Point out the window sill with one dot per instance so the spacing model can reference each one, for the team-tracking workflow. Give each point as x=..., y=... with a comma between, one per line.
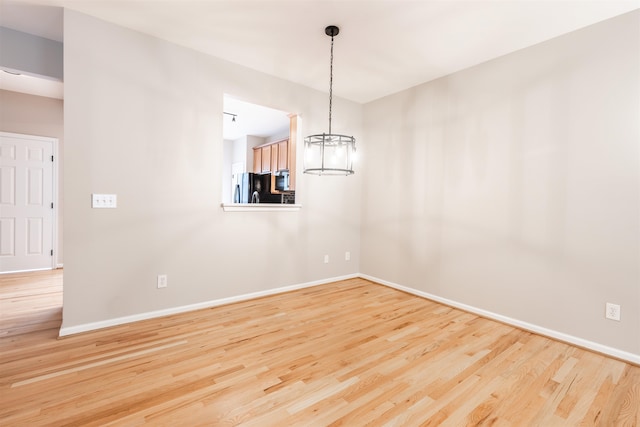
x=259, y=207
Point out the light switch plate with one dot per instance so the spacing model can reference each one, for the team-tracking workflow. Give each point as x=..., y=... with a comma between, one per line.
x=104, y=201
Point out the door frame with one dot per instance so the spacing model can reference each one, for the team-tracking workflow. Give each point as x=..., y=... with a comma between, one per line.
x=54, y=194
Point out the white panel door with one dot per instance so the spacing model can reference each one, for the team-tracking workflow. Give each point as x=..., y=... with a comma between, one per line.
x=26, y=203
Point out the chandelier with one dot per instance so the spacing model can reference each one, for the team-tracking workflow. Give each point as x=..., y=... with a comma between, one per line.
x=329, y=153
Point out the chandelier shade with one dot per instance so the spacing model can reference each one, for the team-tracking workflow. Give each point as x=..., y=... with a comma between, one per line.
x=329, y=153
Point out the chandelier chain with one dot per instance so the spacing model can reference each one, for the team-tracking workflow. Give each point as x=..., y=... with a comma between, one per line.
x=331, y=85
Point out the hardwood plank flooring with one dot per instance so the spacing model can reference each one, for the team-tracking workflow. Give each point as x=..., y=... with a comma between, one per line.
x=30, y=302
x=349, y=353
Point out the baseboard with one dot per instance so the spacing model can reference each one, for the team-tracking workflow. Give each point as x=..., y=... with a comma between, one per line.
x=550, y=333
x=33, y=270
x=590, y=345
x=86, y=327
x=59, y=265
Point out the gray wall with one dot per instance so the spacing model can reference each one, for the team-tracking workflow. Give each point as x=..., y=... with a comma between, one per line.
x=40, y=116
x=514, y=186
x=143, y=119
x=30, y=54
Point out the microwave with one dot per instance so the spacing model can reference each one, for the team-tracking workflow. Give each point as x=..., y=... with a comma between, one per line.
x=281, y=180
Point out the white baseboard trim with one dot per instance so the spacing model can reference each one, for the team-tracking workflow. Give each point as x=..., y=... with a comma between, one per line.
x=86, y=327
x=33, y=270
x=610, y=351
x=59, y=265
x=590, y=345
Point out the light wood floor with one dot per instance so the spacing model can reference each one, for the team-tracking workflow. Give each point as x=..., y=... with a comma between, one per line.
x=350, y=353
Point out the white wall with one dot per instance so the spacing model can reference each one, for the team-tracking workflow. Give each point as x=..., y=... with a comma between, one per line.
x=514, y=186
x=279, y=137
x=239, y=147
x=227, y=161
x=143, y=119
x=40, y=116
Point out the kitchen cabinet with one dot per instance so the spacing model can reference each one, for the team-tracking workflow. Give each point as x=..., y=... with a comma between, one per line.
x=283, y=155
x=266, y=159
x=257, y=160
x=271, y=157
x=274, y=157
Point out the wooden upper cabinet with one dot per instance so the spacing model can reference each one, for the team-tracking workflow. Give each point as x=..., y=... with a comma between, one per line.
x=271, y=157
x=266, y=158
x=283, y=155
x=257, y=160
x=274, y=157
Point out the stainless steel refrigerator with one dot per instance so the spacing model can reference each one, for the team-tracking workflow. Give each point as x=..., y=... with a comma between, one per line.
x=250, y=187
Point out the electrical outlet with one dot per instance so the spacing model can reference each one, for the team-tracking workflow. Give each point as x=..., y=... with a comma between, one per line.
x=326, y=259
x=347, y=256
x=613, y=311
x=162, y=281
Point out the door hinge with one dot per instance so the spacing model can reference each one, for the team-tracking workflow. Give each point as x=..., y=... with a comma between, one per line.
x=51, y=205
x=51, y=252
x=52, y=158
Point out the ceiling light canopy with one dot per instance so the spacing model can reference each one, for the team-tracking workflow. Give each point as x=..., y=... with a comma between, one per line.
x=329, y=153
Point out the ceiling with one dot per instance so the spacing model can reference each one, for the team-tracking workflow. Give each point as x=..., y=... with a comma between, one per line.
x=383, y=47
x=31, y=84
x=252, y=119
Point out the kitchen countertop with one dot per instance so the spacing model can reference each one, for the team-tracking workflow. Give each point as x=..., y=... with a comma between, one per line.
x=260, y=207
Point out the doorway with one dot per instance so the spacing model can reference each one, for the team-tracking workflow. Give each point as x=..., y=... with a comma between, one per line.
x=28, y=188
